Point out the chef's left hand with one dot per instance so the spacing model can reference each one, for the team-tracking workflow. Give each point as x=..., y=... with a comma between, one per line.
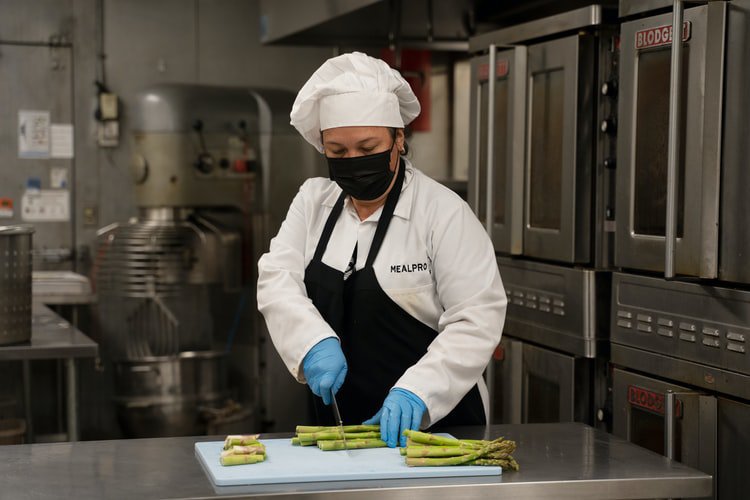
x=401, y=410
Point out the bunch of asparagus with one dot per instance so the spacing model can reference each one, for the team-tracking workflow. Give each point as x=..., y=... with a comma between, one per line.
x=240, y=450
x=331, y=439
x=425, y=450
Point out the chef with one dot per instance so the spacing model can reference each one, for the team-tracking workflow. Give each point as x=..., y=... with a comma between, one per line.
x=381, y=285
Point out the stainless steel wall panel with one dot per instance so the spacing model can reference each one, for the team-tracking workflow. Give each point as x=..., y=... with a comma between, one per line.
x=47, y=20
x=39, y=78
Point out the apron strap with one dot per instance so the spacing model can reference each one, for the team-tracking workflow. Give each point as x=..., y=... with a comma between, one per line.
x=328, y=228
x=386, y=215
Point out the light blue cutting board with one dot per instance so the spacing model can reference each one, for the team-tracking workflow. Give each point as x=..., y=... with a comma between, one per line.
x=301, y=464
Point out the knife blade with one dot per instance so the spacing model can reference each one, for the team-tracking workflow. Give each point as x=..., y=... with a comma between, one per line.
x=337, y=417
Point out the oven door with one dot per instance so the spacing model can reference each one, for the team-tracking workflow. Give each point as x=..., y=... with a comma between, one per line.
x=532, y=384
x=733, y=480
x=555, y=387
x=505, y=393
x=560, y=141
x=643, y=139
x=497, y=136
x=687, y=433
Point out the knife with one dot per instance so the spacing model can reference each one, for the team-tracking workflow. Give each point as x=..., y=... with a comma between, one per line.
x=337, y=417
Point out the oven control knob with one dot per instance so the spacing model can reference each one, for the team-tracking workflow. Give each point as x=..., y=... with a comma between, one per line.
x=609, y=163
x=609, y=88
x=608, y=126
x=204, y=163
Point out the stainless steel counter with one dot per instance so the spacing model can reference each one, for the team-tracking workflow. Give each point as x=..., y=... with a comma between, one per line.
x=52, y=337
x=560, y=461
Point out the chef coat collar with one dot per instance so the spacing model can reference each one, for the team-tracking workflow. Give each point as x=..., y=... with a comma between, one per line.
x=403, y=207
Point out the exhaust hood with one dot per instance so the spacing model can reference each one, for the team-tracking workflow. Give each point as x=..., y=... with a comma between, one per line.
x=429, y=24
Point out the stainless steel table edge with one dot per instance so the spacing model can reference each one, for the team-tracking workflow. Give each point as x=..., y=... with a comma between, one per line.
x=623, y=489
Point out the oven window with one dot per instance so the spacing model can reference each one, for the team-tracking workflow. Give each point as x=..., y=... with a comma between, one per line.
x=647, y=430
x=500, y=166
x=651, y=142
x=547, y=100
x=484, y=92
x=542, y=400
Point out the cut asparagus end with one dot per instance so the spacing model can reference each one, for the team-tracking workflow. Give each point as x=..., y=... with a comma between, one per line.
x=241, y=459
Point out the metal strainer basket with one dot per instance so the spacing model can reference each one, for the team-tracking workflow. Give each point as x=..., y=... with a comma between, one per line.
x=15, y=284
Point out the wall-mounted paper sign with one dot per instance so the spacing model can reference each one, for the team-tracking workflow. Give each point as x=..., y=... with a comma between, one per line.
x=46, y=205
x=58, y=177
x=61, y=140
x=6, y=208
x=33, y=134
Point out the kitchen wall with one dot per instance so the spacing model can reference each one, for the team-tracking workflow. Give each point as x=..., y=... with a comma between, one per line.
x=131, y=44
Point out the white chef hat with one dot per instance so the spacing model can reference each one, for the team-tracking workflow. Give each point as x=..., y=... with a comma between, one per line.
x=350, y=90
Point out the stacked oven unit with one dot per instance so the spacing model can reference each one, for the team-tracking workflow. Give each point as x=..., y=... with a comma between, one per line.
x=542, y=181
x=680, y=326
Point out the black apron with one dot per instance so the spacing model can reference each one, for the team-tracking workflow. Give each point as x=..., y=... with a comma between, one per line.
x=379, y=339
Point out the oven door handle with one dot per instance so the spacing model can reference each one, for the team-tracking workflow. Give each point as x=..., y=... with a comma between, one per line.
x=670, y=421
x=673, y=145
x=707, y=423
x=492, y=75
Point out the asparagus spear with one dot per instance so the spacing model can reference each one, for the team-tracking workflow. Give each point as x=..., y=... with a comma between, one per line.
x=248, y=450
x=303, y=429
x=351, y=444
x=435, y=451
x=241, y=459
x=333, y=435
x=239, y=440
x=443, y=461
x=507, y=463
x=431, y=439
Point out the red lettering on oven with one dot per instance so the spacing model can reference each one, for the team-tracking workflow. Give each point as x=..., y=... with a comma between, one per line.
x=648, y=400
x=660, y=35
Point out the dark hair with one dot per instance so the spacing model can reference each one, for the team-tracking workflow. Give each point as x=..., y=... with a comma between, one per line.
x=406, y=144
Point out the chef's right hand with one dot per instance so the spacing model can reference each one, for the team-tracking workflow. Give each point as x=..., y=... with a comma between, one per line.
x=325, y=368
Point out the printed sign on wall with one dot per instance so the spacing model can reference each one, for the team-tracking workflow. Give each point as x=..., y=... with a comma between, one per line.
x=46, y=205
x=33, y=134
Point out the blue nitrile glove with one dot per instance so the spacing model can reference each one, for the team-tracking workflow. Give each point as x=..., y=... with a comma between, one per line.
x=325, y=368
x=401, y=410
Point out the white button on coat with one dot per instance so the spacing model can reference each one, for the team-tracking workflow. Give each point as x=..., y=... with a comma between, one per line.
x=436, y=262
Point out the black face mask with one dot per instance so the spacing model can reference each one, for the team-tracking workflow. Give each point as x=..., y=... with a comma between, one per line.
x=362, y=177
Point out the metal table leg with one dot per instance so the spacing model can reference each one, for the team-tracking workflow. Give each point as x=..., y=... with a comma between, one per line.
x=26, y=364
x=72, y=399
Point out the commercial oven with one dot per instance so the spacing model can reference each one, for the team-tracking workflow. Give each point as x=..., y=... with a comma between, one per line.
x=708, y=129
x=688, y=343
x=541, y=132
x=551, y=363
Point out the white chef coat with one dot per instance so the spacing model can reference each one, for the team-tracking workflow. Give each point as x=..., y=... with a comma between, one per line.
x=436, y=262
